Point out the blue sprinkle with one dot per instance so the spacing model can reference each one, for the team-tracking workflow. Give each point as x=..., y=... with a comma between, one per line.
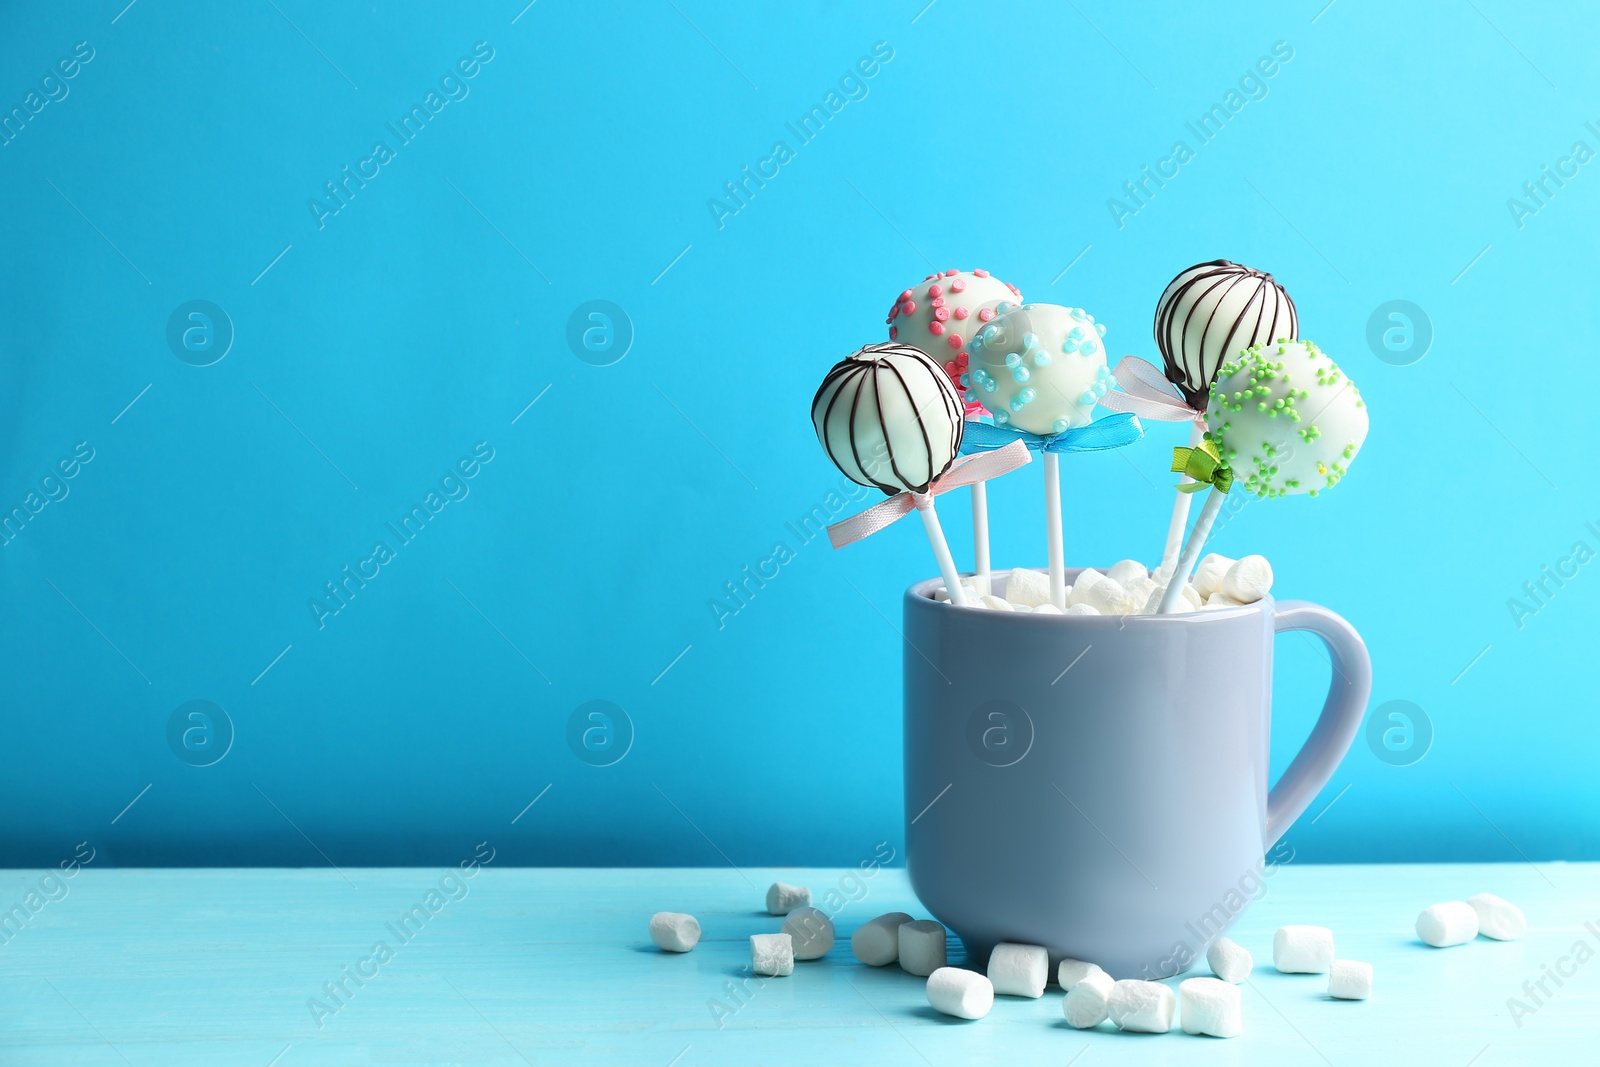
x=1026, y=396
x=1030, y=341
x=1100, y=328
x=965, y=379
x=1016, y=403
x=1111, y=380
x=989, y=385
x=1041, y=358
x=970, y=397
x=1088, y=397
x=1079, y=314
x=1069, y=345
x=1102, y=371
x=1001, y=418
x=1003, y=307
x=1060, y=426
x=1075, y=334
x=1013, y=358
x=1099, y=389
x=1088, y=348
x=1020, y=373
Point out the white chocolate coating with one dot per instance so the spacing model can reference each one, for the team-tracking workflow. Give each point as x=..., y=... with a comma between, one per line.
x=1286, y=418
x=940, y=315
x=1211, y=313
x=888, y=417
x=1039, y=367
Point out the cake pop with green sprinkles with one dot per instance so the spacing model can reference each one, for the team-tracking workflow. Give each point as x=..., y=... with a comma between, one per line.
x=1286, y=419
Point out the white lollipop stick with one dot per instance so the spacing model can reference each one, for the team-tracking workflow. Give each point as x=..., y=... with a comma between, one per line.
x=1180, y=506
x=980, y=536
x=941, y=550
x=1191, y=551
x=1052, y=525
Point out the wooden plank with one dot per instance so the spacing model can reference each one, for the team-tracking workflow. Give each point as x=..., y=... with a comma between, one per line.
x=515, y=966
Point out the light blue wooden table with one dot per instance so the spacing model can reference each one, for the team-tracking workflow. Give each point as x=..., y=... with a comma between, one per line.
x=216, y=967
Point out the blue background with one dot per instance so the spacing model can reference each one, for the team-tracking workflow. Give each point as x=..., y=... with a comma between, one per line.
x=374, y=351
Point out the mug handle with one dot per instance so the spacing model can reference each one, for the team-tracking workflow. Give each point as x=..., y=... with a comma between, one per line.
x=1341, y=716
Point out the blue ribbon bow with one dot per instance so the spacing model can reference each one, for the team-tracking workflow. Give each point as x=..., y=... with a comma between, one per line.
x=1113, y=431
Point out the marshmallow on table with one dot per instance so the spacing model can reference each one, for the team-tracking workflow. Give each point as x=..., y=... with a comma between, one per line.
x=1210, y=1007
x=673, y=931
x=1229, y=960
x=1086, y=1003
x=771, y=955
x=959, y=992
x=921, y=947
x=1140, y=588
x=782, y=898
x=1248, y=580
x=1019, y=970
x=1452, y=923
x=1349, y=980
x=1028, y=587
x=877, y=942
x=1497, y=918
x=811, y=931
x=1140, y=1007
x=1069, y=972
x=1208, y=576
x=1302, y=949
x=1127, y=569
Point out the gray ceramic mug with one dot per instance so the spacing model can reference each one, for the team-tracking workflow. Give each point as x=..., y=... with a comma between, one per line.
x=1098, y=784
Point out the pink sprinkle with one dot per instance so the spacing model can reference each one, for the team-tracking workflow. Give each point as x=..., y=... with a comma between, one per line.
x=1015, y=290
x=934, y=290
x=980, y=273
x=936, y=327
x=954, y=341
x=941, y=313
x=937, y=301
x=894, y=332
x=929, y=277
x=892, y=313
x=908, y=308
x=986, y=314
x=958, y=286
x=952, y=370
x=962, y=312
x=961, y=360
x=905, y=295
x=951, y=273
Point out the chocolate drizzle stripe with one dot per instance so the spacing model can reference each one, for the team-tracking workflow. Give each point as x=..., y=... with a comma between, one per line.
x=861, y=370
x=1186, y=364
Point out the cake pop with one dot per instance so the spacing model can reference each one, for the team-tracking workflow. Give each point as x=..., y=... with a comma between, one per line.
x=1291, y=421
x=888, y=417
x=1039, y=367
x=941, y=313
x=1212, y=312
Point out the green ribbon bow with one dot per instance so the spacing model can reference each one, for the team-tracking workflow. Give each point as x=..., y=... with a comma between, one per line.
x=1204, y=464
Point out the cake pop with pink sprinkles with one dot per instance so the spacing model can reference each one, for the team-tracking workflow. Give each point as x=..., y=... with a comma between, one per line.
x=940, y=314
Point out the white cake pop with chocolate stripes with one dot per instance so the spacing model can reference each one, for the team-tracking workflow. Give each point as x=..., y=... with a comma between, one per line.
x=888, y=417
x=1039, y=367
x=940, y=315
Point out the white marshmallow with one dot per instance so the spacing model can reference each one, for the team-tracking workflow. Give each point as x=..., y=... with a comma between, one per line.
x=1127, y=569
x=1109, y=598
x=673, y=931
x=1082, y=609
x=1152, y=603
x=1210, y=1007
x=1069, y=972
x=1208, y=576
x=1229, y=960
x=1349, y=980
x=1452, y=923
x=921, y=947
x=1302, y=949
x=1221, y=600
x=1248, y=580
x=1047, y=609
x=1019, y=970
x=1140, y=1007
x=960, y=992
x=877, y=942
x=996, y=603
x=1085, y=1005
x=1498, y=918
x=771, y=955
x=942, y=594
x=811, y=931
x=1028, y=587
x=1086, y=580
x=1140, y=588
x=782, y=898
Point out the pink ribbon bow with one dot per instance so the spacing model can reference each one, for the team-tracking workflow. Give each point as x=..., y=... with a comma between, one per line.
x=979, y=467
x=1147, y=393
